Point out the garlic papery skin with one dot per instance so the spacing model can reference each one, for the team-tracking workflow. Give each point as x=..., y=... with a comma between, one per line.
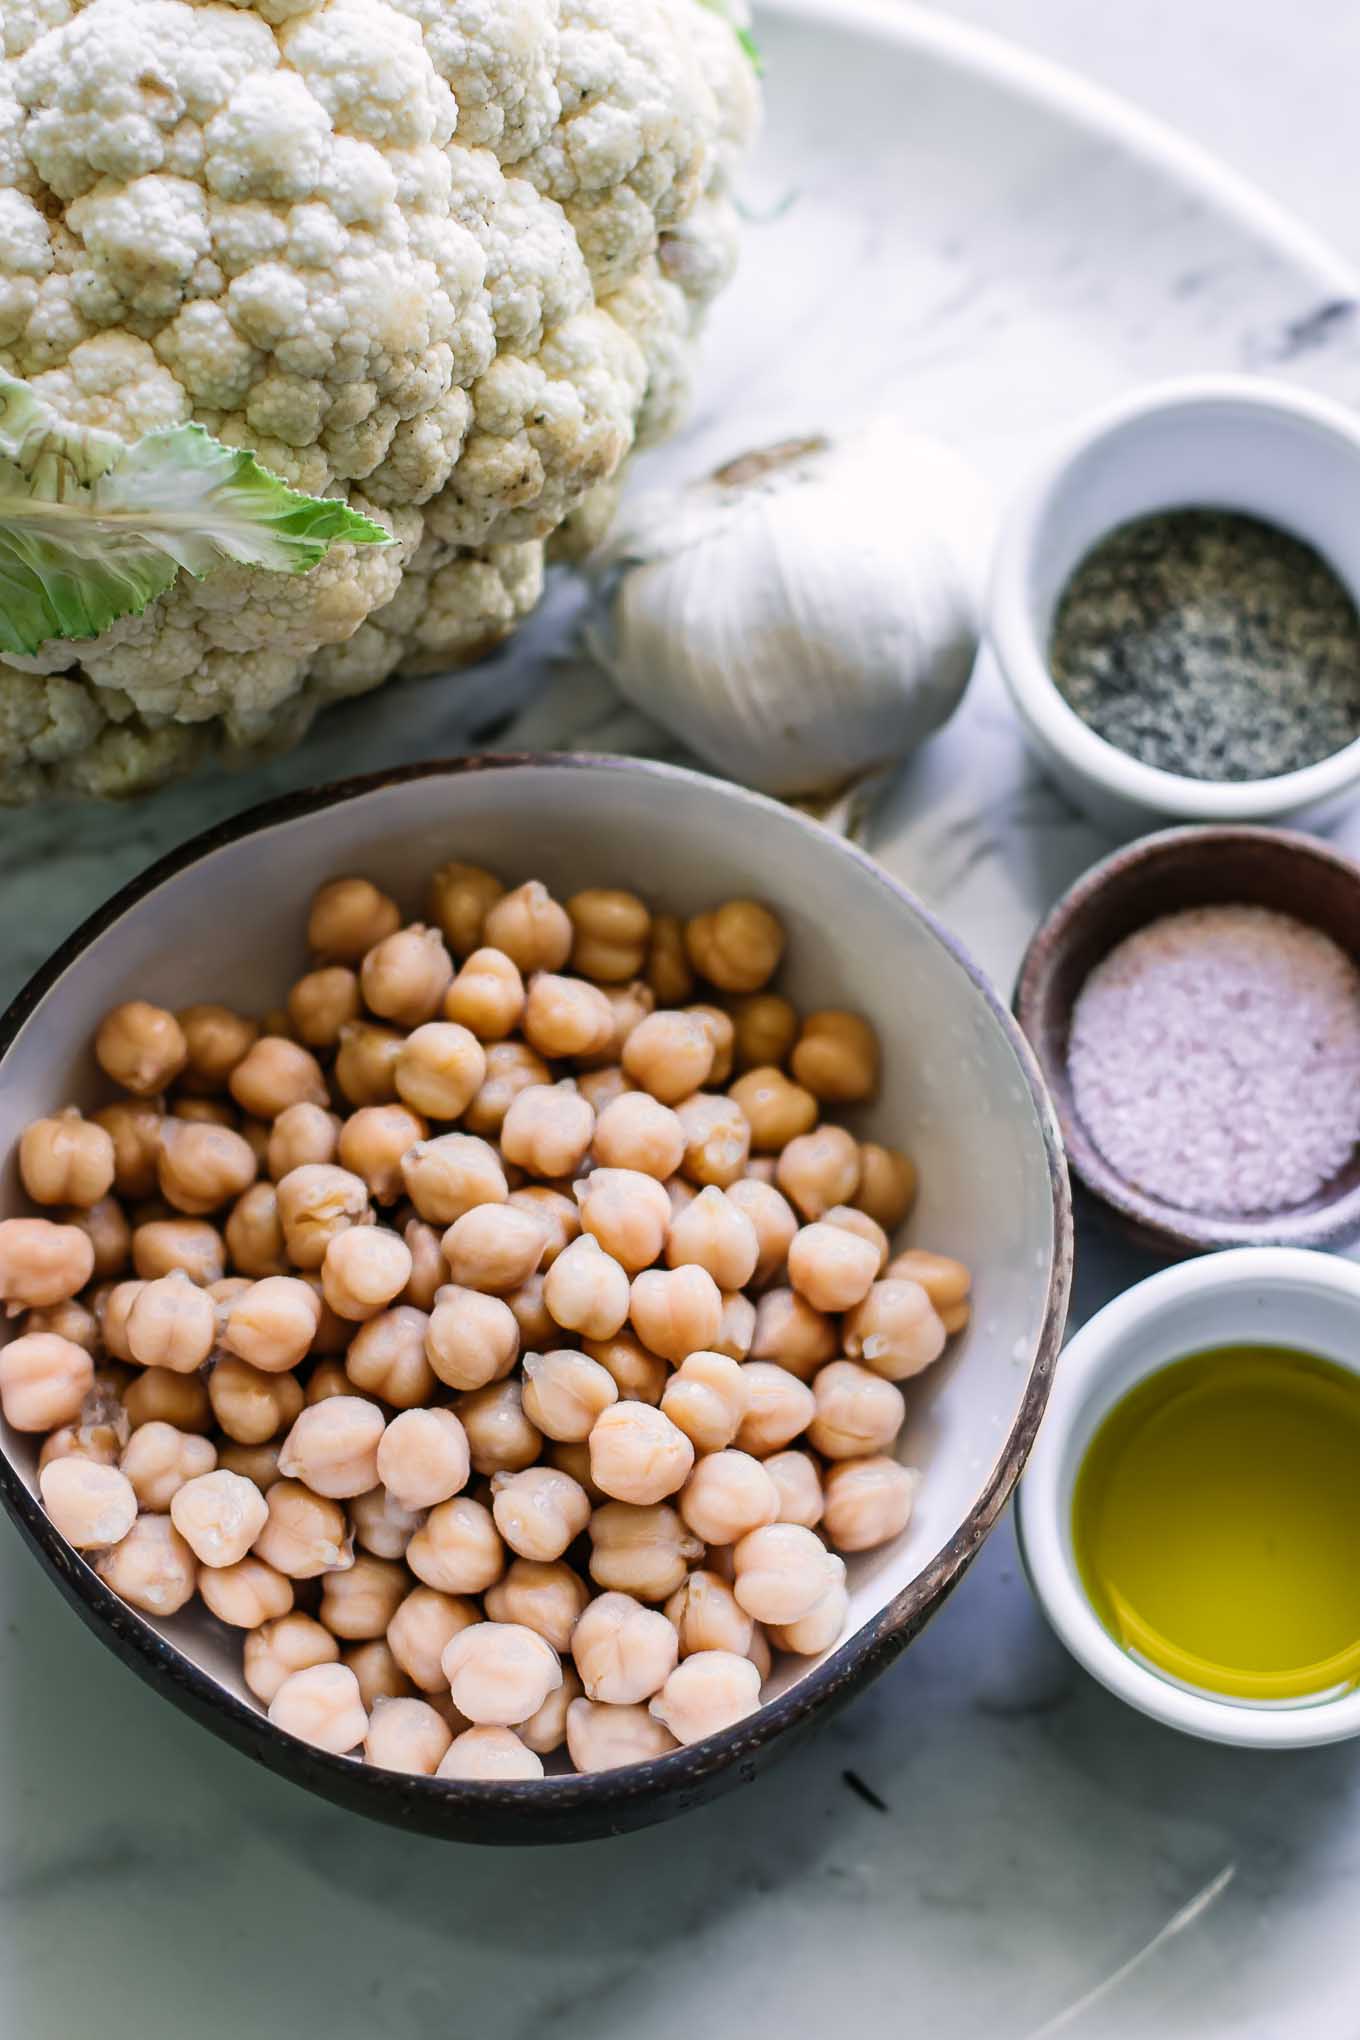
x=809, y=612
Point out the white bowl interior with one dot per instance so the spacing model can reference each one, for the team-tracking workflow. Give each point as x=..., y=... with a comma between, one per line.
x=1263, y=1296
x=230, y=927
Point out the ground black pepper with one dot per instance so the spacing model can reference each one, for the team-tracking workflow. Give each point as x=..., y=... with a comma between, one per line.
x=1210, y=644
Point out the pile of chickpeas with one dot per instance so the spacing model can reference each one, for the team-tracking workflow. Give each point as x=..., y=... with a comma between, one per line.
x=498, y=1336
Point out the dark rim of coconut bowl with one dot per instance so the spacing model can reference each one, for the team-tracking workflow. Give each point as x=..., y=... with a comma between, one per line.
x=571, y=1807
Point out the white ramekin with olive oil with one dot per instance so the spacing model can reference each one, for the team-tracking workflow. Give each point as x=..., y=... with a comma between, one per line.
x=1190, y=1515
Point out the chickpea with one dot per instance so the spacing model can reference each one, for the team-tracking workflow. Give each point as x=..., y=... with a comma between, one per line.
x=868, y=1501
x=638, y=1375
x=765, y=1028
x=717, y=1139
x=667, y=971
x=151, y=1568
x=629, y=1006
x=461, y=896
x=715, y=1235
x=333, y=1446
x=97, y=1443
x=364, y=1269
x=708, y=1616
x=158, y=1396
x=380, y=1677
x=708, y=1692
x=818, y=1629
x=347, y=917
x=406, y=1735
x=546, y=1731
x=66, y=1160
x=818, y=1170
x=670, y=1055
x=574, y=1458
x=779, y=1406
x=947, y=1283
x=273, y=1323
x=70, y=1320
x=737, y=946
x=44, y=1379
x=511, y=1067
x=500, y=1672
x=496, y=1755
x=423, y=1458
x=638, y=1455
x=165, y=1244
x=288, y=1643
x=832, y=1268
x=471, y=1340
x=458, y=1549
x=645, y=1552
x=172, y=1324
x=500, y=1436
x=317, y=1203
x=530, y=927
x=487, y=996
x=321, y=1705
x=306, y=1533
x=274, y=1074
x=623, y=1651
x=259, y=1463
x=565, y=1016
x=792, y=1334
x=204, y=1112
x=249, y=1405
x=219, y=1515
x=836, y=1058
x=539, y=1511
x=586, y=1290
x=556, y=1213
x=323, y=1002
x=381, y=1525
x=113, y=1307
x=451, y=1175
x=637, y=1133
x=722, y=1034
x=105, y=1226
x=706, y=1398
x=728, y=1494
x=366, y=1063
x=858, y=1413
x=896, y=1330
x=141, y=1047
x=531, y=1313
x=359, y=1604
x=301, y=1134
x=851, y=1219
x=92, y=1506
x=254, y=1233
x=611, y=930
x=603, y=1738
x=42, y=1263
x=133, y=1125
x=493, y=1248
x=547, y=1130
x=676, y=1311
x=547, y=1598
x=774, y=1223
x=428, y=1273
x=215, y=1040
x=776, y=1110
x=782, y=1572
x=158, y=1459
x=565, y=1392
x=386, y=1358
x=736, y=1327
x=421, y=1630
x=404, y=977
x=799, y=1481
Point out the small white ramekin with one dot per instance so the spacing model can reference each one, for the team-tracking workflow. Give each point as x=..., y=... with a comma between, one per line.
x=1282, y=1296
x=1220, y=442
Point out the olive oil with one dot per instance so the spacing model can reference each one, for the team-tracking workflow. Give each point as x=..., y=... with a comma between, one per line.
x=1216, y=1522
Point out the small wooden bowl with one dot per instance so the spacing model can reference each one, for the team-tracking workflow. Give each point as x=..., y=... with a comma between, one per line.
x=1164, y=874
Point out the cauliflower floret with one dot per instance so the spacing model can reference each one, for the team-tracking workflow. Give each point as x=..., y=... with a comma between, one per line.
x=440, y=258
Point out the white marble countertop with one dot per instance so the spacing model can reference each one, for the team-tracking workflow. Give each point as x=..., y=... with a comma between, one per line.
x=1021, y=1857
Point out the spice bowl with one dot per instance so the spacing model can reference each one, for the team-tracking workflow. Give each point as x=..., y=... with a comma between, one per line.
x=1176, y=870
x=1240, y=444
x=1262, y=1297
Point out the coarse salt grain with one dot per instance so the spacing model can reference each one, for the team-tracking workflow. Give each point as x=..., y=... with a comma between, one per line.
x=1215, y=1059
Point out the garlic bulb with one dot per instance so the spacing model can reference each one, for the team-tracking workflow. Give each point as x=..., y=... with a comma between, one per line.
x=806, y=614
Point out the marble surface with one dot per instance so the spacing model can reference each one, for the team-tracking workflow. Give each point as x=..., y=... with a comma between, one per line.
x=986, y=1843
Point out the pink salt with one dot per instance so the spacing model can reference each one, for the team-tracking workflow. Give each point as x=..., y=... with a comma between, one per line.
x=1215, y=1059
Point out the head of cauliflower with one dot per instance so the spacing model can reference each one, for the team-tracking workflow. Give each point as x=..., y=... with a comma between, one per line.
x=444, y=258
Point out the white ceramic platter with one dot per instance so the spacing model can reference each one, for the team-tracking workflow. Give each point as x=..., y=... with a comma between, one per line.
x=943, y=227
